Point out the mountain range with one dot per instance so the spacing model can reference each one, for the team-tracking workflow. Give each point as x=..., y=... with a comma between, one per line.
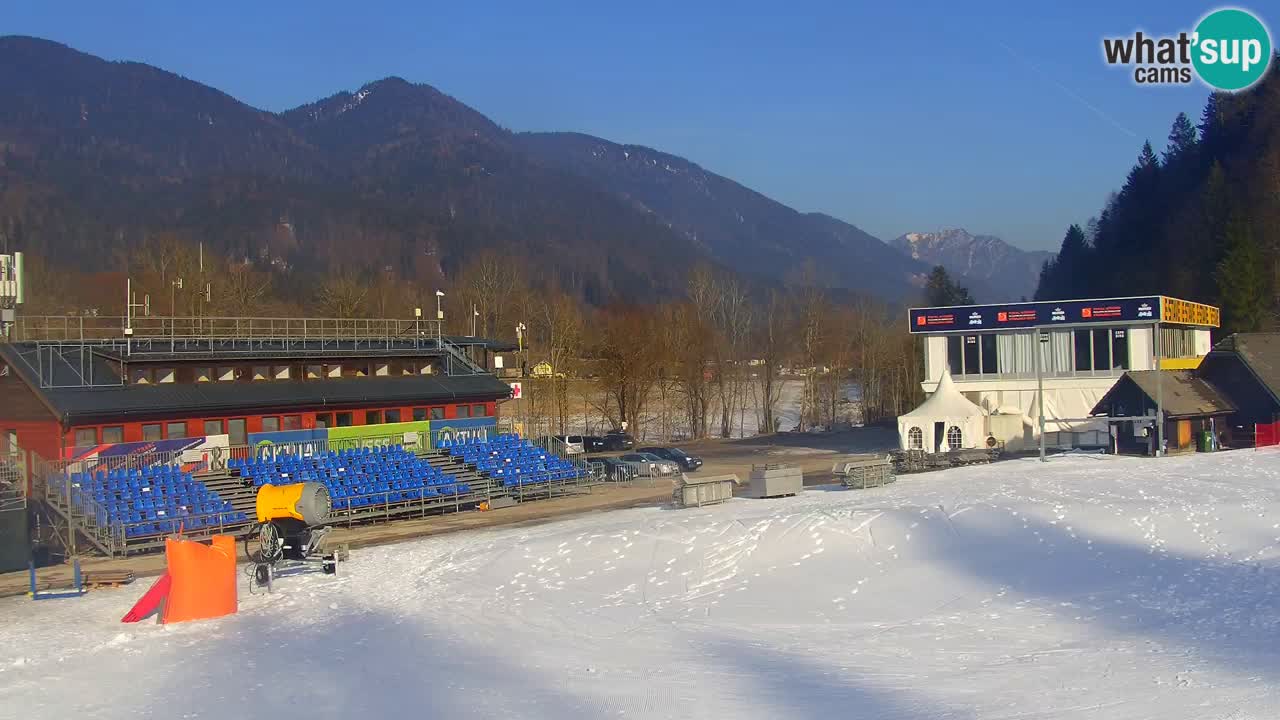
x=97, y=157
x=995, y=269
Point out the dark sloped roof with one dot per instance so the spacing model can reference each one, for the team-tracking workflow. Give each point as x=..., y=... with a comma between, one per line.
x=82, y=404
x=1260, y=352
x=1184, y=394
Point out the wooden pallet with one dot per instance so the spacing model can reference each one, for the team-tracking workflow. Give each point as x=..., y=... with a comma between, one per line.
x=107, y=579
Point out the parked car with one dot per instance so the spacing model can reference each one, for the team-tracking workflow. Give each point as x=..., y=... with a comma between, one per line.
x=650, y=465
x=573, y=444
x=593, y=443
x=618, y=440
x=687, y=462
x=612, y=469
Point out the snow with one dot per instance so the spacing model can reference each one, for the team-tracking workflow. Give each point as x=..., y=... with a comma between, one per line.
x=355, y=100
x=1092, y=586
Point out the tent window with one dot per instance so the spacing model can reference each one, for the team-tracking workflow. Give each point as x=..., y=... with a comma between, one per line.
x=915, y=439
x=954, y=439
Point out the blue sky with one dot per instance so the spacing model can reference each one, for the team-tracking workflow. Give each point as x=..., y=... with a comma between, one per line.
x=997, y=117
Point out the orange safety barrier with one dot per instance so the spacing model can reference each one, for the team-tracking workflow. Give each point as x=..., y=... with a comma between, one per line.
x=200, y=582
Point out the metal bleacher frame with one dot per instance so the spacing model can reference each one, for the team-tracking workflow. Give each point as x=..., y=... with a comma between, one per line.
x=80, y=523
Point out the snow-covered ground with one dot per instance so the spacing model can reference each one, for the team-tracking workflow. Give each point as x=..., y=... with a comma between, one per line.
x=1093, y=587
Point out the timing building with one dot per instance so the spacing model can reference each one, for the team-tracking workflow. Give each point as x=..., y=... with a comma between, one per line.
x=1011, y=361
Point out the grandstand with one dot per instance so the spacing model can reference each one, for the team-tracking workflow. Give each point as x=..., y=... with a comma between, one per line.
x=173, y=426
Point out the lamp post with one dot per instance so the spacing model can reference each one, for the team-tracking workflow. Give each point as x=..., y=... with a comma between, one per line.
x=174, y=287
x=439, y=315
x=524, y=363
x=475, y=314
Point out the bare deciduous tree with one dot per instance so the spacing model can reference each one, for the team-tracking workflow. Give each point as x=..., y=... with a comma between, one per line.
x=342, y=295
x=627, y=360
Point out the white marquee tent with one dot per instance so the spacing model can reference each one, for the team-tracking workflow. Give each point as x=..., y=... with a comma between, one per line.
x=946, y=421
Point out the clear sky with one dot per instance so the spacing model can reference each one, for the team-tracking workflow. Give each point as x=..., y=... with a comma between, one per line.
x=1000, y=118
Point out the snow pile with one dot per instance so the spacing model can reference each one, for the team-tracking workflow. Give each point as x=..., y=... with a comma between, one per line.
x=1091, y=587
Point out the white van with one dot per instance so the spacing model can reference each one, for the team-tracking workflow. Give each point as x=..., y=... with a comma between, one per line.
x=571, y=444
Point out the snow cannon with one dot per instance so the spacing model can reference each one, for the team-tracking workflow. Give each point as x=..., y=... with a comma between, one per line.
x=291, y=530
x=307, y=503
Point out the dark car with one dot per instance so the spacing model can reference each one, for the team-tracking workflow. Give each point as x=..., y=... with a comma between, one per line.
x=675, y=455
x=611, y=469
x=593, y=443
x=618, y=440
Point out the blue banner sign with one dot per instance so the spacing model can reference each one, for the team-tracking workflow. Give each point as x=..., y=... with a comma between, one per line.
x=975, y=318
x=288, y=442
x=462, y=430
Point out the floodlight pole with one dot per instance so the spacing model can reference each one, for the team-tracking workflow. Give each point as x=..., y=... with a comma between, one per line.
x=1042, y=337
x=1159, y=346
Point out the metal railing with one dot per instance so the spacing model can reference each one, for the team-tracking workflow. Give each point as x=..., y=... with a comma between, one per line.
x=13, y=480
x=74, y=328
x=68, y=344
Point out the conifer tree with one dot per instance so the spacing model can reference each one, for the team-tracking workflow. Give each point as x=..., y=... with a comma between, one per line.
x=1242, y=280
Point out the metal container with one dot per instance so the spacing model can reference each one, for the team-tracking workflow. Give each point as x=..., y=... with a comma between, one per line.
x=769, y=481
x=706, y=490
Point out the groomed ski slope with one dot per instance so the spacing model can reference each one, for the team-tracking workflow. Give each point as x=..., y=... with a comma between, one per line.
x=1091, y=587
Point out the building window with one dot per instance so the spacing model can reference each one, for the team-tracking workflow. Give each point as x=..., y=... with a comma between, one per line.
x=343, y=419
x=324, y=420
x=463, y=411
x=915, y=439
x=212, y=427
x=955, y=361
x=971, y=364
x=236, y=434
x=151, y=432
x=437, y=413
x=86, y=437
x=1119, y=350
x=291, y=422
x=419, y=414
x=477, y=411
x=1083, y=350
x=954, y=438
x=987, y=344
x=392, y=416
x=372, y=417
x=270, y=424
x=112, y=435
x=176, y=430
x=1101, y=349
x=1176, y=342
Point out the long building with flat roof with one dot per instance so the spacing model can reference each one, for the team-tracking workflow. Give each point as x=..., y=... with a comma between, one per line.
x=64, y=397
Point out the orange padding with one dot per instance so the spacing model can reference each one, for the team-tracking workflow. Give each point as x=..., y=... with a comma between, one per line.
x=203, y=579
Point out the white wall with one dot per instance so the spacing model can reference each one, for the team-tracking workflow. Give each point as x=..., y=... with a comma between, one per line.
x=1141, y=351
x=935, y=357
x=1203, y=340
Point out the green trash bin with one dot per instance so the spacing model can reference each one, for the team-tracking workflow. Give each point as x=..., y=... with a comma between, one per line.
x=1204, y=441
